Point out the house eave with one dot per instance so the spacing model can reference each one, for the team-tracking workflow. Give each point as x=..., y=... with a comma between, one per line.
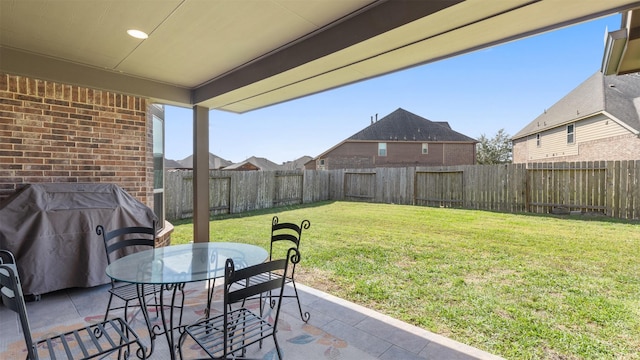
x=564, y=123
x=621, y=123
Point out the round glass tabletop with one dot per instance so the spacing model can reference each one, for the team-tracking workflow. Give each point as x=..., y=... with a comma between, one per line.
x=184, y=263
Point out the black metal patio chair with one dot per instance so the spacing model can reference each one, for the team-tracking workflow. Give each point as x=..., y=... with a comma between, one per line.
x=115, y=242
x=291, y=234
x=89, y=342
x=238, y=327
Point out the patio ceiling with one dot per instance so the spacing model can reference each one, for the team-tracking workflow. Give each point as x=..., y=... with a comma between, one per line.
x=243, y=55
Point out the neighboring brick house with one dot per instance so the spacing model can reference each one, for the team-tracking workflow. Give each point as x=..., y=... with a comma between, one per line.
x=397, y=140
x=253, y=164
x=215, y=163
x=297, y=164
x=598, y=120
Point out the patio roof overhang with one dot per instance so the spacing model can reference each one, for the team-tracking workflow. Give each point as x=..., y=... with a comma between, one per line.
x=622, y=47
x=243, y=55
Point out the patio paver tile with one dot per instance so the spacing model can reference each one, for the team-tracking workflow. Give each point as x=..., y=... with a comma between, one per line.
x=359, y=338
x=410, y=342
x=395, y=353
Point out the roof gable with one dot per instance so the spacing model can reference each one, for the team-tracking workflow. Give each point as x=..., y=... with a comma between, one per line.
x=402, y=125
x=616, y=95
x=258, y=162
x=297, y=163
x=622, y=97
x=215, y=162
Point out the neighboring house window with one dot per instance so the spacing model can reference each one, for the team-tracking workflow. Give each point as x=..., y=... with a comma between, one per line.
x=425, y=148
x=321, y=162
x=538, y=140
x=570, y=134
x=158, y=166
x=382, y=149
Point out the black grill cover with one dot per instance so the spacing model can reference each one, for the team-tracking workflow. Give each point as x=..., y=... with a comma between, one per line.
x=51, y=229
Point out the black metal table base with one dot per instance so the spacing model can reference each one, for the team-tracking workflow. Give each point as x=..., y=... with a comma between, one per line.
x=168, y=325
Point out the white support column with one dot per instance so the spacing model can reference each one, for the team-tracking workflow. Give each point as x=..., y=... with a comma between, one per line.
x=200, y=174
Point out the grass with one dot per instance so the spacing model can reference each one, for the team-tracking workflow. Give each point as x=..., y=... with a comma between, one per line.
x=520, y=286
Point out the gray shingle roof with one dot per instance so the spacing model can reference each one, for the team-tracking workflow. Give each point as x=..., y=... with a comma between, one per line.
x=616, y=95
x=215, y=162
x=297, y=163
x=261, y=163
x=172, y=164
x=402, y=125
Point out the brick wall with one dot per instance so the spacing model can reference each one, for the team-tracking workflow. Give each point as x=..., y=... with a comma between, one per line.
x=52, y=132
x=364, y=154
x=459, y=154
x=625, y=147
x=520, y=151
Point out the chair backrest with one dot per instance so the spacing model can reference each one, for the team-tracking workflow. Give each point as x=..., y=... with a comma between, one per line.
x=232, y=275
x=286, y=232
x=13, y=298
x=125, y=237
x=6, y=257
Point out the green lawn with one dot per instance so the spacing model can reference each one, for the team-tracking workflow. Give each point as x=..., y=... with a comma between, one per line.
x=520, y=286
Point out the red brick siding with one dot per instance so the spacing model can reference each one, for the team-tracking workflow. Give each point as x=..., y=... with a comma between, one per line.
x=520, y=151
x=459, y=154
x=51, y=132
x=358, y=155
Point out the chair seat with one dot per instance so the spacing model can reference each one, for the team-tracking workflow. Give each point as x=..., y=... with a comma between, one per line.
x=245, y=328
x=129, y=292
x=91, y=341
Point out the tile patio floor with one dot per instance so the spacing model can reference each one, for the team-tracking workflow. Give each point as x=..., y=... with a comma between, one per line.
x=338, y=329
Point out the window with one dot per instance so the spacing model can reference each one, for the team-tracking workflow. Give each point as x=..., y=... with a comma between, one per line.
x=158, y=165
x=382, y=149
x=570, y=134
x=322, y=162
x=538, y=140
x=425, y=148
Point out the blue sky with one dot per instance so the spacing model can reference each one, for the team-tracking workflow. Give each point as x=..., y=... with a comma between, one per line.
x=506, y=86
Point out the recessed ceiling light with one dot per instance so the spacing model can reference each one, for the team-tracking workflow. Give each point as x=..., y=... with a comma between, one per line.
x=137, y=34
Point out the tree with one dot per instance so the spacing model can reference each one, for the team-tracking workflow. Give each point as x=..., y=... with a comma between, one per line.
x=496, y=150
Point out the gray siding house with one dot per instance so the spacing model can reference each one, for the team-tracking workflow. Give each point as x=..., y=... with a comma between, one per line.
x=598, y=120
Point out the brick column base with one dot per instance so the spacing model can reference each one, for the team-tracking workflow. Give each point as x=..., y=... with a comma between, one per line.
x=163, y=238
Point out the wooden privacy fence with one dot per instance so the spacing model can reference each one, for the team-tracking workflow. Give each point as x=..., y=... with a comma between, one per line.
x=611, y=188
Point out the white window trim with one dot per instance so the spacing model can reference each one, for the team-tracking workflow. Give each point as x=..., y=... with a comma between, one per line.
x=382, y=147
x=572, y=134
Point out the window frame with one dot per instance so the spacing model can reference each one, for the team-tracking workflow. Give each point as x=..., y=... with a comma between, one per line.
x=382, y=149
x=538, y=140
x=425, y=149
x=571, y=134
x=158, y=150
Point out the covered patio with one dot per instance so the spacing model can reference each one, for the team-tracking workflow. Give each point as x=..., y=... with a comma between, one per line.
x=338, y=329
x=241, y=56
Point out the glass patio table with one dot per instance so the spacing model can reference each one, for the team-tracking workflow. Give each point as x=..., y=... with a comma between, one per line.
x=174, y=266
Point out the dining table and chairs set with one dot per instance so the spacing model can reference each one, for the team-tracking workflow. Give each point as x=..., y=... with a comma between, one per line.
x=147, y=277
